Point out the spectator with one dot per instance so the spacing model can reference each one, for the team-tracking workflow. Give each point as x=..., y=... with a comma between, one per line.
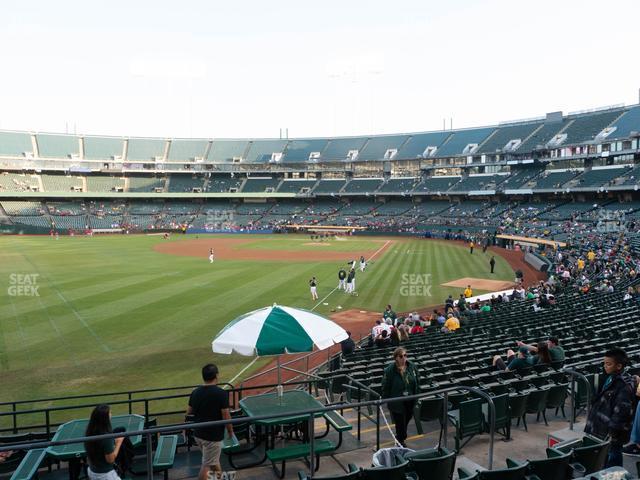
x=389, y=316
x=521, y=361
x=634, y=447
x=542, y=357
x=485, y=308
x=5, y=455
x=451, y=325
x=347, y=345
x=416, y=328
x=441, y=319
x=209, y=402
x=401, y=378
x=383, y=340
x=101, y=454
x=377, y=330
x=462, y=303
x=611, y=411
x=468, y=293
x=555, y=350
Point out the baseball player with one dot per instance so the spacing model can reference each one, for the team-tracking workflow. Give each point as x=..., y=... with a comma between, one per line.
x=211, y=255
x=351, y=281
x=342, y=275
x=363, y=263
x=313, y=284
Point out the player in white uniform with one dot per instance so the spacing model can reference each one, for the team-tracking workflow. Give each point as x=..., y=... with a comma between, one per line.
x=342, y=279
x=363, y=264
x=211, y=255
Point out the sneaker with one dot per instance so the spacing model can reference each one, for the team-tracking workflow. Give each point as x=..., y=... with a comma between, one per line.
x=632, y=449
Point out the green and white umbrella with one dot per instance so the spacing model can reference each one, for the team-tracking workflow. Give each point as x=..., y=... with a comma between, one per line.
x=276, y=330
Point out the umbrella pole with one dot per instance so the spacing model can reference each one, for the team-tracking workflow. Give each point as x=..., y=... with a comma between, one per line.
x=278, y=366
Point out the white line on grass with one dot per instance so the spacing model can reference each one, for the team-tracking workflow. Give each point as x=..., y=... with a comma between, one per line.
x=243, y=370
x=380, y=249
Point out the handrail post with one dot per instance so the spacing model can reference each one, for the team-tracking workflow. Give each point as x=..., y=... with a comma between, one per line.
x=378, y=407
x=14, y=406
x=129, y=395
x=312, y=454
x=573, y=401
x=149, y=458
x=48, y=422
x=146, y=410
x=359, y=411
x=445, y=409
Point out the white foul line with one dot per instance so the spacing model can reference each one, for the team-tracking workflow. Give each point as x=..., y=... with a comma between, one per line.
x=380, y=249
x=243, y=370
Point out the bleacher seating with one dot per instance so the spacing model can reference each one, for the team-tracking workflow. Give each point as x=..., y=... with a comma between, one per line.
x=520, y=178
x=398, y=185
x=477, y=182
x=505, y=134
x=260, y=151
x=541, y=137
x=61, y=183
x=66, y=208
x=15, y=144
x=224, y=151
x=145, y=149
x=58, y=146
x=299, y=150
x=146, y=208
x=597, y=177
x=185, y=183
x=329, y=186
x=295, y=186
x=393, y=207
x=140, y=221
x=585, y=128
x=107, y=221
x=629, y=122
x=31, y=220
x=456, y=144
x=376, y=147
x=145, y=184
x=338, y=148
x=103, y=148
x=22, y=208
x=18, y=182
x=66, y=222
x=103, y=183
x=186, y=149
x=436, y=184
x=220, y=183
x=260, y=184
x=567, y=210
x=363, y=185
x=554, y=179
x=416, y=146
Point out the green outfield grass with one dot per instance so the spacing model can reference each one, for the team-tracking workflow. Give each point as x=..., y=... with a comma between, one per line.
x=113, y=314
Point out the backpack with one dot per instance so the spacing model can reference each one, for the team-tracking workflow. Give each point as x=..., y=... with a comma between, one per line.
x=124, y=459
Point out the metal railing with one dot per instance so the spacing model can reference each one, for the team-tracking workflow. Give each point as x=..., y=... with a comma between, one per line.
x=580, y=376
x=378, y=403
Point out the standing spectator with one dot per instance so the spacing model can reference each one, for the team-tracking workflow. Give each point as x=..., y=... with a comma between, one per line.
x=389, y=315
x=468, y=293
x=101, y=454
x=611, y=411
x=207, y=403
x=401, y=378
x=347, y=345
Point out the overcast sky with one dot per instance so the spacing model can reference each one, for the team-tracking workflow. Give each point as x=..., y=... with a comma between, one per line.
x=248, y=68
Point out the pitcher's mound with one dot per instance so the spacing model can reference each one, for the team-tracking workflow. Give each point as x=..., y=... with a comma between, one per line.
x=480, y=284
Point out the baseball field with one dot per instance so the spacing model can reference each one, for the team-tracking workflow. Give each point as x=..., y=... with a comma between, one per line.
x=82, y=315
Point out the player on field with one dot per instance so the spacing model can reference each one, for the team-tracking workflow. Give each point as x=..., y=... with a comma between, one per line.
x=363, y=263
x=342, y=276
x=313, y=284
x=211, y=255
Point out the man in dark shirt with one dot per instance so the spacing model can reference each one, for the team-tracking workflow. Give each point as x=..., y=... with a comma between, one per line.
x=342, y=277
x=207, y=403
x=492, y=263
x=348, y=345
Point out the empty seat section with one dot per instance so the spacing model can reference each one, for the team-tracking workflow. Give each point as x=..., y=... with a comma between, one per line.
x=377, y=147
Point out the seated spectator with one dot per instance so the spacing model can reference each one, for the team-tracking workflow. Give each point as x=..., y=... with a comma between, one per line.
x=377, y=329
x=451, y=325
x=448, y=304
x=383, y=339
x=403, y=333
x=542, y=357
x=521, y=361
x=416, y=328
x=485, y=308
x=555, y=350
x=4, y=455
x=629, y=294
x=441, y=319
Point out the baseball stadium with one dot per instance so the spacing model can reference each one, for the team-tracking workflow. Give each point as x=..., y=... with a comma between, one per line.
x=426, y=305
